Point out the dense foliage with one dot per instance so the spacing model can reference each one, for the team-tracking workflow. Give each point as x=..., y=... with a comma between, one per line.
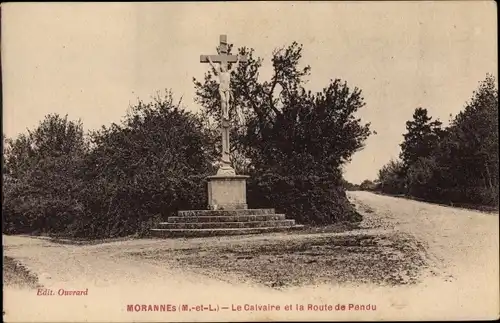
x=293, y=141
x=391, y=178
x=350, y=186
x=457, y=164
x=117, y=182
x=367, y=185
x=42, y=181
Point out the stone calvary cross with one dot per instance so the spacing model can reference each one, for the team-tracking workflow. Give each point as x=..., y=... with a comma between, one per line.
x=224, y=77
x=227, y=212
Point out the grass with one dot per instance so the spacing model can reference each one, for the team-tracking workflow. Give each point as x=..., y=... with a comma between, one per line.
x=16, y=275
x=314, y=259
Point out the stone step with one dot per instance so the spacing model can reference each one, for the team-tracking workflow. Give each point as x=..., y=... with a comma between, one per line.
x=228, y=225
x=226, y=218
x=225, y=212
x=191, y=233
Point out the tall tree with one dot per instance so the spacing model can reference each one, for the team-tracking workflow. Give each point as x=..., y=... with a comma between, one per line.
x=469, y=152
x=458, y=164
x=421, y=138
x=286, y=125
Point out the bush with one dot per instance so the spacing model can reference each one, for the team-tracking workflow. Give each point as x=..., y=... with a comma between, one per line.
x=148, y=168
x=130, y=175
x=306, y=199
x=367, y=185
x=391, y=178
x=125, y=208
x=41, y=178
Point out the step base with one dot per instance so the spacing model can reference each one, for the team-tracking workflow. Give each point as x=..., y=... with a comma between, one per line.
x=170, y=233
x=189, y=213
x=225, y=218
x=204, y=223
x=226, y=225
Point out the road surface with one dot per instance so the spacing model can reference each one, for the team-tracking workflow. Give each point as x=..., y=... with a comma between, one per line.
x=459, y=281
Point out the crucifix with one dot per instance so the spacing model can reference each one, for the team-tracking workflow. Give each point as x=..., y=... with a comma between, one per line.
x=223, y=74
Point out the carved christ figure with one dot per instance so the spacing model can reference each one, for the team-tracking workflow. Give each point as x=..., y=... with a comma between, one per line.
x=224, y=78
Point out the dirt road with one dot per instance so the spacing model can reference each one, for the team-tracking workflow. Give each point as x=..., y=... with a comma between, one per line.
x=459, y=241
x=411, y=260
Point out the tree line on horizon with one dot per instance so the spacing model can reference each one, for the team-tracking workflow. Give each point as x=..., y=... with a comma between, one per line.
x=124, y=178
x=457, y=164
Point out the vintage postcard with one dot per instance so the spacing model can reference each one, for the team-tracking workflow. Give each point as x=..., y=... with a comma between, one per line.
x=250, y=161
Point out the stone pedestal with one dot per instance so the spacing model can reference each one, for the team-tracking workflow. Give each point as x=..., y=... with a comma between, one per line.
x=227, y=192
x=228, y=214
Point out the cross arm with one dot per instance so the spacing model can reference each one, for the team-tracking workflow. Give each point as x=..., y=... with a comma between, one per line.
x=222, y=58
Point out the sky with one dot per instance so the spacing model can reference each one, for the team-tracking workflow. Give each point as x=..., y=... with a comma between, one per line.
x=91, y=61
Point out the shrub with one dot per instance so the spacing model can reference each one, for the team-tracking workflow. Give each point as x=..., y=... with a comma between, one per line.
x=307, y=199
x=119, y=183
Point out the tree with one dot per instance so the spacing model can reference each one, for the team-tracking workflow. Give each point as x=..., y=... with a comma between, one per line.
x=458, y=164
x=41, y=171
x=391, y=178
x=294, y=140
x=421, y=138
x=367, y=185
x=350, y=186
x=421, y=178
x=468, y=154
x=55, y=136
x=288, y=127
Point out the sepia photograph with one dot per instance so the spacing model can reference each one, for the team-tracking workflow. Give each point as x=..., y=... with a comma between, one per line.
x=250, y=161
